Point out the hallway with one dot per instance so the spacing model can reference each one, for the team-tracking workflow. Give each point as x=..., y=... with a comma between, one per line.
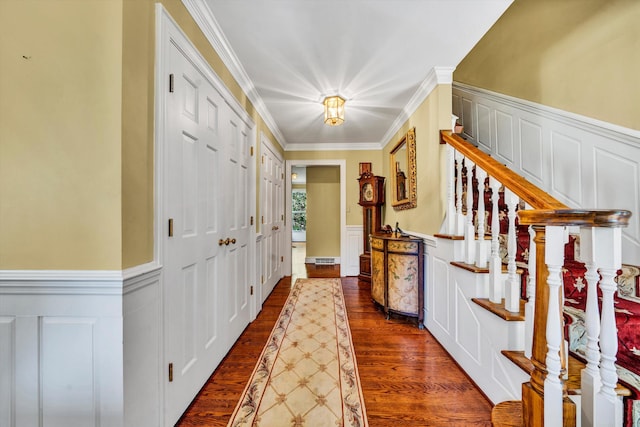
x=407, y=377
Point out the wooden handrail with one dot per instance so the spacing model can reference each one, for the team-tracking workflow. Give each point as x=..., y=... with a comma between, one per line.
x=527, y=191
x=576, y=217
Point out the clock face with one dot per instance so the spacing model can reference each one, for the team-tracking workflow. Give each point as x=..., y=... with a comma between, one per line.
x=367, y=192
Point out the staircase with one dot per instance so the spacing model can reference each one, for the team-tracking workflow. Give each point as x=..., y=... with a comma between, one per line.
x=503, y=322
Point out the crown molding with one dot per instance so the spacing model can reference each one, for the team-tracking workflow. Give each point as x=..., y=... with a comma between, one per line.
x=436, y=76
x=205, y=19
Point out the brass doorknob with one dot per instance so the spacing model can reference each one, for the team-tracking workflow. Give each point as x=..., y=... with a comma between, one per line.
x=220, y=242
x=233, y=241
x=226, y=242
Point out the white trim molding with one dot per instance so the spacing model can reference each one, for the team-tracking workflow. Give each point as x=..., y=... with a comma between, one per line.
x=342, y=163
x=61, y=282
x=436, y=76
x=203, y=16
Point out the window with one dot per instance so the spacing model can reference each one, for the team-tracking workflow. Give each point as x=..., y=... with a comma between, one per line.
x=299, y=210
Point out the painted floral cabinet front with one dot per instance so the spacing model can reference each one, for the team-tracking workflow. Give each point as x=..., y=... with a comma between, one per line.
x=397, y=275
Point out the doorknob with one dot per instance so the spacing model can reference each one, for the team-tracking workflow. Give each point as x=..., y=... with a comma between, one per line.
x=233, y=241
x=226, y=242
x=220, y=242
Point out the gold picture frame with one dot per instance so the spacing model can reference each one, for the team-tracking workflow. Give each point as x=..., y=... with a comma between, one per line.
x=403, y=172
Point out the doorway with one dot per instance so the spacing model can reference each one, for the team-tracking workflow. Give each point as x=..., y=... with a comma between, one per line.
x=341, y=233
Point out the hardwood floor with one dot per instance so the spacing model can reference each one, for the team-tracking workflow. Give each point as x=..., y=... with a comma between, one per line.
x=407, y=377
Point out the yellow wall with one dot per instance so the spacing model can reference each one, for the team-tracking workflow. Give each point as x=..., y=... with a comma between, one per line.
x=60, y=130
x=323, y=211
x=352, y=159
x=576, y=55
x=76, y=130
x=432, y=115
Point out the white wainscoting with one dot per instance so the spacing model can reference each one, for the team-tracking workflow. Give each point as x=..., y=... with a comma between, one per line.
x=582, y=162
x=143, y=365
x=351, y=265
x=61, y=361
x=81, y=348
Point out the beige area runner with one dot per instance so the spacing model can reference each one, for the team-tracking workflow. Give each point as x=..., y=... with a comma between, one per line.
x=307, y=373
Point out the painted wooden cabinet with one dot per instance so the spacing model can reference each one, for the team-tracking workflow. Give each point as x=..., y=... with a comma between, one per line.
x=397, y=275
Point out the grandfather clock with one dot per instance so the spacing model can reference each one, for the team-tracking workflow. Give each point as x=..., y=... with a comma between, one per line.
x=371, y=200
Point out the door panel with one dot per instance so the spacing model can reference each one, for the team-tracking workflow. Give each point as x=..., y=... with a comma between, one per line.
x=237, y=166
x=272, y=208
x=195, y=265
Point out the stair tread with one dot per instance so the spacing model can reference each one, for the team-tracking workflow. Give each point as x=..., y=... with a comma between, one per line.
x=482, y=270
x=575, y=367
x=507, y=414
x=499, y=310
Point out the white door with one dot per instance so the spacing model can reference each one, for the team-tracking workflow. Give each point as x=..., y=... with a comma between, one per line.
x=235, y=204
x=272, y=208
x=205, y=300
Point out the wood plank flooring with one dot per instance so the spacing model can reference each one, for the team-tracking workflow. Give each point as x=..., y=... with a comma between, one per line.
x=407, y=377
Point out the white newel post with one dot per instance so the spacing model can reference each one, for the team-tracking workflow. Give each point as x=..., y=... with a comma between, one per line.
x=608, y=251
x=481, y=251
x=554, y=258
x=470, y=231
x=512, y=287
x=459, y=216
x=451, y=178
x=590, y=376
x=495, y=266
x=530, y=306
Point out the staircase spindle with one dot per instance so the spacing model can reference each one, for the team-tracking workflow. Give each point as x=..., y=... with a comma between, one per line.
x=512, y=287
x=451, y=179
x=553, y=393
x=530, y=306
x=470, y=231
x=496, y=285
x=481, y=250
x=608, y=258
x=590, y=376
x=459, y=215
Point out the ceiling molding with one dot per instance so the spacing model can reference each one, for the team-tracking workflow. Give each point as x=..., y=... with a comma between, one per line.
x=436, y=76
x=333, y=147
x=204, y=18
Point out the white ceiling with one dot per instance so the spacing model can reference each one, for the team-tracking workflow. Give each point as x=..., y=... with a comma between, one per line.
x=383, y=56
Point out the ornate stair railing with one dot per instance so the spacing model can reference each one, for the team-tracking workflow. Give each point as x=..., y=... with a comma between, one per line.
x=545, y=400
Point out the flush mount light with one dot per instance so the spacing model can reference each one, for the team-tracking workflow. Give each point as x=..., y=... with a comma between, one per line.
x=333, y=110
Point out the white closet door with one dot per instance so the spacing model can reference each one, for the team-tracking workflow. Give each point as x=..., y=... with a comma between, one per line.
x=194, y=263
x=236, y=211
x=272, y=209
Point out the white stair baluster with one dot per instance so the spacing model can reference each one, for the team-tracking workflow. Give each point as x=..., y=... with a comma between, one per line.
x=470, y=231
x=451, y=177
x=459, y=216
x=496, y=285
x=481, y=245
x=512, y=286
x=608, y=408
x=554, y=258
x=590, y=376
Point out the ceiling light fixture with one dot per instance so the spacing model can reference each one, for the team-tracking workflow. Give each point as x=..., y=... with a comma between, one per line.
x=294, y=176
x=333, y=110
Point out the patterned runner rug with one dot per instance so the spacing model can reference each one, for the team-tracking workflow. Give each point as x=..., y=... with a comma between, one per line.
x=307, y=373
